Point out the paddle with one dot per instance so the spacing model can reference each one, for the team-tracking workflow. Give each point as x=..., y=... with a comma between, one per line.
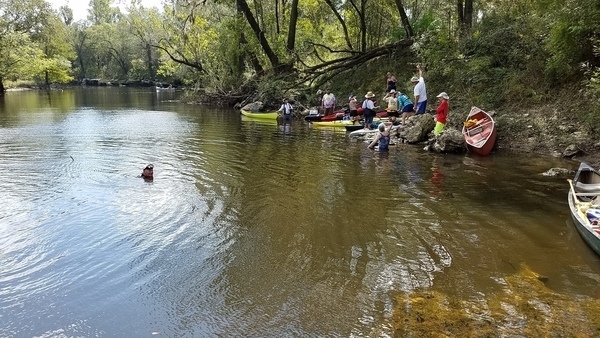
x=572, y=189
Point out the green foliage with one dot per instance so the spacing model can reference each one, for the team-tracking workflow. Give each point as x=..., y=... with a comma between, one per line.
x=574, y=28
x=18, y=56
x=495, y=65
x=424, y=23
x=270, y=92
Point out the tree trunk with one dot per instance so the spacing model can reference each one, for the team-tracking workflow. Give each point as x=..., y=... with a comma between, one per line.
x=465, y=15
x=363, y=26
x=2, y=89
x=469, y=13
x=404, y=19
x=342, y=22
x=149, y=59
x=253, y=59
x=260, y=35
x=81, y=64
x=363, y=23
x=291, y=42
x=277, y=16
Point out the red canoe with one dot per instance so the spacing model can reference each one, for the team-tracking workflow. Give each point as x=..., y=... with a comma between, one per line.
x=337, y=115
x=481, y=135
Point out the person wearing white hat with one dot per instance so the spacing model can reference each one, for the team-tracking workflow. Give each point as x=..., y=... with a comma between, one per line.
x=441, y=113
x=392, y=102
x=420, y=92
x=369, y=109
x=383, y=137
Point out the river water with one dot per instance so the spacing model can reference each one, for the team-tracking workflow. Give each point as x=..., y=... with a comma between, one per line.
x=251, y=228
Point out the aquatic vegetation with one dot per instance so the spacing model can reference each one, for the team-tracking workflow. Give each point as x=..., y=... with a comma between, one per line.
x=524, y=307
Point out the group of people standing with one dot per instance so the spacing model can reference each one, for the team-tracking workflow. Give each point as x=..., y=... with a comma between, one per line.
x=397, y=103
x=400, y=103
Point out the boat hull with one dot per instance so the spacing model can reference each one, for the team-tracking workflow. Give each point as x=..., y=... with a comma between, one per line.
x=581, y=224
x=586, y=186
x=312, y=118
x=335, y=124
x=481, y=137
x=333, y=117
x=267, y=116
x=353, y=127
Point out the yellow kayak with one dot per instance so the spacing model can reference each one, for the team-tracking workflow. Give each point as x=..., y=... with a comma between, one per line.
x=268, y=116
x=336, y=123
x=250, y=120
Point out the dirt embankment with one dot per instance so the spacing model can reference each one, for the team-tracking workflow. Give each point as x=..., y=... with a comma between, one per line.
x=547, y=130
x=544, y=130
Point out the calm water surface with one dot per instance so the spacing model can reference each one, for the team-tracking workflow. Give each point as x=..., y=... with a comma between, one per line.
x=252, y=228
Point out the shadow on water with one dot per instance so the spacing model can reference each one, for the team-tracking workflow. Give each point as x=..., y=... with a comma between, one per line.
x=269, y=228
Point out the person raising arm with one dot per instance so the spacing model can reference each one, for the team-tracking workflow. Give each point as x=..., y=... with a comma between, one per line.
x=420, y=92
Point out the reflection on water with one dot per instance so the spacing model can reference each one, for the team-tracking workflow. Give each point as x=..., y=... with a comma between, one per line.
x=252, y=227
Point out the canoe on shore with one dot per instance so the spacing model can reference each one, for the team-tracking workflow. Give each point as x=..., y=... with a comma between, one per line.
x=584, y=203
x=269, y=116
x=479, y=131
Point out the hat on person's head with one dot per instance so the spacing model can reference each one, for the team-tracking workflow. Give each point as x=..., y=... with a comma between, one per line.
x=443, y=95
x=149, y=167
x=369, y=95
x=414, y=79
x=392, y=91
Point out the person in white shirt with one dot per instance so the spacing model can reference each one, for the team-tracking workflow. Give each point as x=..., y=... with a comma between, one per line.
x=368, y=109
x=420, y=92
x=328, y=102
x=286, y=108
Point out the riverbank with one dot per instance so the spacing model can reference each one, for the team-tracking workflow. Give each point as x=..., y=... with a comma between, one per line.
x=549, y=131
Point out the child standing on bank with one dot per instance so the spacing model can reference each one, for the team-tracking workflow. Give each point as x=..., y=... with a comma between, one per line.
x=441, y=113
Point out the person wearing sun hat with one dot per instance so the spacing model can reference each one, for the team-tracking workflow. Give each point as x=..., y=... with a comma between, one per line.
x=369, y=109
x=420, y=92
x=392, y=108
x=441, y=113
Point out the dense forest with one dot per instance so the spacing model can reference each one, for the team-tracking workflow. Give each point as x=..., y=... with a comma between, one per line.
x=496, y=53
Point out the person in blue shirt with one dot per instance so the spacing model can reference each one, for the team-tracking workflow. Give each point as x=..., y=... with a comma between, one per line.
x=405, y=106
